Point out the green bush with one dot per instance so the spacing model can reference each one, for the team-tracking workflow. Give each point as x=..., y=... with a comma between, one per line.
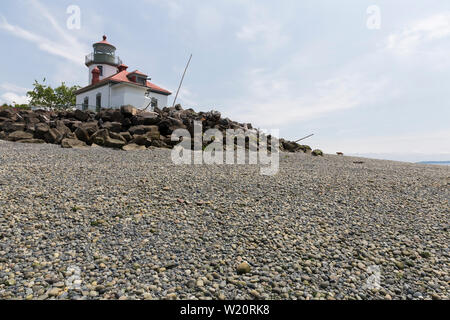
x=62, y=97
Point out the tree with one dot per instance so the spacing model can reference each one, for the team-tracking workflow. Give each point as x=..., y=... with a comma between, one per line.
x=62, y=97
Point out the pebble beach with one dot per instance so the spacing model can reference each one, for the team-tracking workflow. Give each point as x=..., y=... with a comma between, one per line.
x=99, y=223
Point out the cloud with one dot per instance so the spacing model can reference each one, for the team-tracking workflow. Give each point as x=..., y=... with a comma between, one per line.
x=14, y=94
x=14, y=98
x=13, y=88
x=259, y=31
x=174, y=7
x=430, y=142
x=211, y=17
x=263, y=31
x=187, y=98
x=273, y=100
x=279, y=97
x=43, y=43
x=420, y=34
x=66, y=46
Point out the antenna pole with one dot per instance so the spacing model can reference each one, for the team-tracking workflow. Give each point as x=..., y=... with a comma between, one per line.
x=181, y=82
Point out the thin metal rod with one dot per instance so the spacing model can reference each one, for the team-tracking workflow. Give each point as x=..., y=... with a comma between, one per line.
x=304, y=138
x=181, y=82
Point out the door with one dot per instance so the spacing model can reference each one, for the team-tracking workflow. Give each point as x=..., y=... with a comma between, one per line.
x=98, y=103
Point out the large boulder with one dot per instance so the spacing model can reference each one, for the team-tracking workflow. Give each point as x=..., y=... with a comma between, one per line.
x=30, y=127
x=142, y=129
x=145, y=118
x=141, y=140
x=44, y=118
x=126, y=135
x=62, y=128
x=91, y=127
x=114, y=143
x=153, y=134
x=168, y=141
x=81, y=115
x=133, y=147
x=53, y=136
x=290, y=146
x=73, y=124
x=19, y=135
x=72, y=143
x=159, y=144
x=317, y=153
x=9, y=126
x=41, y=129
x=126, y=123
x=82, y=134
x=117, y=136
x=31, y=119
x=110, y=115
x=128, y=110
x=113, y=126
x=100, y=137
x=169, y=125
x=8, y=113
x=213, y=116
x=33, y=141
x=150, y=118
x=305, y=148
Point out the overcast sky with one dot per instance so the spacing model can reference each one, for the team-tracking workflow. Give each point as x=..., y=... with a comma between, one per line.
x=300, y=66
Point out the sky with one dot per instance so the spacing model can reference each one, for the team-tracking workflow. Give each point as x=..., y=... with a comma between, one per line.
x=368, y=78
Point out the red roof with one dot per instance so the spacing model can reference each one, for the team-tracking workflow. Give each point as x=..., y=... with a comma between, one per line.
x=122, y=77
x=104, y=42
x=154, y=87
x=138, y=73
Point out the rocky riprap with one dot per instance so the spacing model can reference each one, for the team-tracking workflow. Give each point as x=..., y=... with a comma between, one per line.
x=105, y=224
x=126, y=128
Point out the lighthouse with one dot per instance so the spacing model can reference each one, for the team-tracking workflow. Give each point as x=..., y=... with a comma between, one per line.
x=104, y=58
x=111, y=85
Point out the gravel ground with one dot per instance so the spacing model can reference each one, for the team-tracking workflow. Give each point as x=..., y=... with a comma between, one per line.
x=106, y=224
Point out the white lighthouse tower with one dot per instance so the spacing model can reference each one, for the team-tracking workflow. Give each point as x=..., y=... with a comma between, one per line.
x=104, y=58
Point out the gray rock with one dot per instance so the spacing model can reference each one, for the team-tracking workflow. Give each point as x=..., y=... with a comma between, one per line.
x=72, y=143
x=19, y=135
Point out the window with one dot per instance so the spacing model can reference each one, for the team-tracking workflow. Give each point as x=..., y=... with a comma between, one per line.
x=101, y=70
x=86, y=103
x=142, y=81
x=98, y=102
x=154, y=103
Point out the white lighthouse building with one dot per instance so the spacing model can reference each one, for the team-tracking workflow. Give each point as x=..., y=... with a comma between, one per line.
x=111, y=85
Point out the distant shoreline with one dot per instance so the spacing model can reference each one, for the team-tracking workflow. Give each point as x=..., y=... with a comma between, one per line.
x=416, y=158
x=435, y=162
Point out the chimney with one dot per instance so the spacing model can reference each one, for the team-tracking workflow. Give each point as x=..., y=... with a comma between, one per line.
x=122, y=67
x=95, y=75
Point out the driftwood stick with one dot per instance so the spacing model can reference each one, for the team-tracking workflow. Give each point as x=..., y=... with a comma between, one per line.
x=304, y=138
x=181, y=82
